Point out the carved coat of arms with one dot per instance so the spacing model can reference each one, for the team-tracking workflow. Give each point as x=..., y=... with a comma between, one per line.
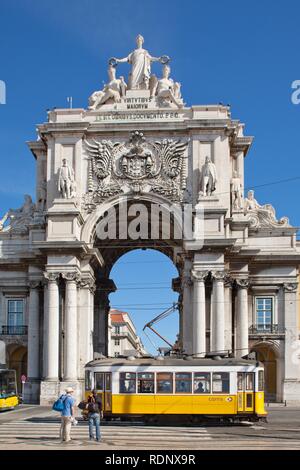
x=135, y=166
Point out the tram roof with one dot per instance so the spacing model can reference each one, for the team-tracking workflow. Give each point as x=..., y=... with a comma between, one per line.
x=169, y=362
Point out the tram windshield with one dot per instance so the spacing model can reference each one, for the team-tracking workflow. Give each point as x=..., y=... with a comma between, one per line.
x=7, y=383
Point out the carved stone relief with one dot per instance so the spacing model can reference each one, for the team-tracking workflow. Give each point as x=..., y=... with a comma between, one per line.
x=136, y=166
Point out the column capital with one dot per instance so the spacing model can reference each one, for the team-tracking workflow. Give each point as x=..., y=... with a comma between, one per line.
x=35, y=283
x=219, y=275
x=72, y=276
x=87, y=283
x=186, y=281
x=51, y=277
x=199, y=276
x=242, y=283
x=290, y=286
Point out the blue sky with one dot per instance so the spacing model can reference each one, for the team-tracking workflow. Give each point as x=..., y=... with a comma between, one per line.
x=238, y=53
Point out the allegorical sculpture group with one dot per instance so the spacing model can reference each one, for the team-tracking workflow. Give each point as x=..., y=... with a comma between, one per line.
x=158, y=165
x=164, y=89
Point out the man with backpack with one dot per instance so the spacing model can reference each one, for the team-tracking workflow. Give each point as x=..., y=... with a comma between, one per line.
x=94, y=407
x=67, y=415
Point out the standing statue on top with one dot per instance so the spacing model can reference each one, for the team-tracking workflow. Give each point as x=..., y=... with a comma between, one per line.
x=140, y=61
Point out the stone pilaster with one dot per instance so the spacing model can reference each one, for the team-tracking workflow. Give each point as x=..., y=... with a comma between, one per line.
x=291, y=385
x=32, y=386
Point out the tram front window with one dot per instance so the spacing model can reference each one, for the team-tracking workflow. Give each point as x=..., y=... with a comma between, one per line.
x=146, y=382
x=183, y=382
x=221, y=382
x=202, y=382
x=7, y=384
x=127, y=382
x=164, y=382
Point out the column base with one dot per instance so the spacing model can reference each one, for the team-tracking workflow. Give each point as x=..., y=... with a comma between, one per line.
x=51, y=390
x=32, y=391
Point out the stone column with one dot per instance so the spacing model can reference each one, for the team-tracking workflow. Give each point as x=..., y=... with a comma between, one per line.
x=228, y=314
x=199, y=313
x=33, y=331
x=52, y=328
x=218, y=312
x=242, y=321
x=85, y=322
x=71, y=336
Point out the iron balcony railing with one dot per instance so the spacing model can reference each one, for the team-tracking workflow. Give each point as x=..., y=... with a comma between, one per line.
x=266, y=330
x=14, y=330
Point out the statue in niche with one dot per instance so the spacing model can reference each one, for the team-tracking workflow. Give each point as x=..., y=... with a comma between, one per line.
x=208, y=178
x=166, y=90
x=140, y=61
x=112, y=92
x=236, y=192
x=66, y=181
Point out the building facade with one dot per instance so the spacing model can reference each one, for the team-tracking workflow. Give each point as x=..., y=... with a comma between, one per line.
x=137, y=147
x=122, y=337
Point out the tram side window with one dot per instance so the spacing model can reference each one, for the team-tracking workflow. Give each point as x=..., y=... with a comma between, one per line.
x=261, y=385
x=127, y=382
x=99, y=381
x=164, y=382
x=202, y=382
x=220, y=382
x=250, y=381
x=183, y=382
x=146, y=382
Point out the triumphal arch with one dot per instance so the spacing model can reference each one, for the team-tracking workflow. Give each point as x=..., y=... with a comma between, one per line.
x=138, y=167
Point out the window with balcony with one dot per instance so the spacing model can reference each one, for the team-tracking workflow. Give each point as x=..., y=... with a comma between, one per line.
x=15, y=316
x=264, y=313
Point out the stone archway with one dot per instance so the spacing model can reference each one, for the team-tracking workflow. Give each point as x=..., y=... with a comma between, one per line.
x=267, y=353
x=17, y=360
x=166, y=241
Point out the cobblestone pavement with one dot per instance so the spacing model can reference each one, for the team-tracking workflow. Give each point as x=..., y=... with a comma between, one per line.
x=35, y=427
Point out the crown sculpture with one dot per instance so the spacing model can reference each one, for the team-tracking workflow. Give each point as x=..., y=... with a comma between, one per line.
x=161, y=92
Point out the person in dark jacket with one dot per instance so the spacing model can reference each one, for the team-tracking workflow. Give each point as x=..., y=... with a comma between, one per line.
x=94, y=407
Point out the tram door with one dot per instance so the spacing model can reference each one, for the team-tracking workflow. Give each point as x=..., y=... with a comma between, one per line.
x=103, y=387
x=245, y=391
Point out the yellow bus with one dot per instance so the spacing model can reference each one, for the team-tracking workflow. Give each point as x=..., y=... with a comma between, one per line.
x=8, y=389
x=228, y=389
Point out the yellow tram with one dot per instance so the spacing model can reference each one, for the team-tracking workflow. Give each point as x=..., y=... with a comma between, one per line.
x=8, y=389
x=231, y=389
